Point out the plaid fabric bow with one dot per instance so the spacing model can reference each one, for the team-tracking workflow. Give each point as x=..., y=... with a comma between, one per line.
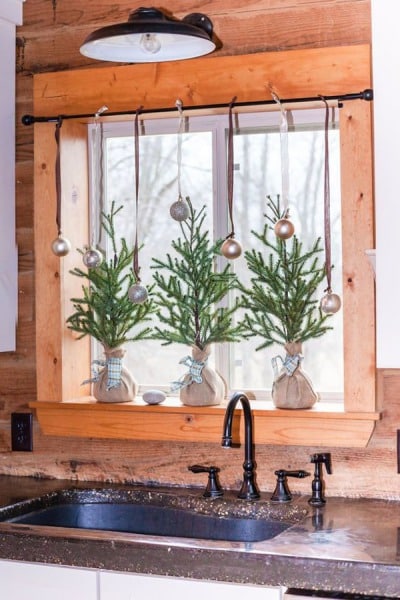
x=193, y=375
x=114, y=370
x=289, y=365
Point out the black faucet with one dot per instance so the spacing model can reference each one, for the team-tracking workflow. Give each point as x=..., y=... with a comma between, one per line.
x=249, y=489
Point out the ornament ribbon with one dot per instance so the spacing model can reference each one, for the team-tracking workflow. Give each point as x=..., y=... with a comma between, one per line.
x=193, y=375
x=327, y=217
x=98, y=177
x=284, y=139
x=230, y=168
x=114, y=371
x=136, y=268
x=179, y=106
x=58, y=174
x=289, y=365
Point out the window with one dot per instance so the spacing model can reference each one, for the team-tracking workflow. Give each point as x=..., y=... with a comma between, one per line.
x=257, y=175
x=63, y=405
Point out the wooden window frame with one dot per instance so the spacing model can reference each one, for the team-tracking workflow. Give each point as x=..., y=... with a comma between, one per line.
x=64, y=406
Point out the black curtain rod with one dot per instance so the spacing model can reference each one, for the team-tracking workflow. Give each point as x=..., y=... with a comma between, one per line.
x=367, y=94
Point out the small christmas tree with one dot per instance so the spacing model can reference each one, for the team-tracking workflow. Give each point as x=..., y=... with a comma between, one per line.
x=188, y=295
x=105, y=311
x=281, y=304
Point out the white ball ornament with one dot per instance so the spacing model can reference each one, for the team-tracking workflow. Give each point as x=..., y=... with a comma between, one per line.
x=231, y=249
x=179, y=210
x=60, y=246
x=284, y=229
x=330, y=303
x=92, y=258
x=137, y=294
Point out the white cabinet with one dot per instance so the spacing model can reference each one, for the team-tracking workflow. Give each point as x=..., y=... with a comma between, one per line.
x=128, y=586
x=19, y=581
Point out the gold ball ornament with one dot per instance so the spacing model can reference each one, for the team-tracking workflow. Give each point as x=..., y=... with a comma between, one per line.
x=231, y=249
x=137, y=294
x=92, y=258
x=330, y=303
x=179, y=210
x=60, y=246
x=284, y=229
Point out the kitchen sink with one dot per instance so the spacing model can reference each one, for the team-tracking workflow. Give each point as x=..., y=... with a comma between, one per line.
x=155, y=513
x=153, y=520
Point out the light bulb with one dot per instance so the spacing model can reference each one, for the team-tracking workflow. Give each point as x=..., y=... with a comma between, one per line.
x=150, y=43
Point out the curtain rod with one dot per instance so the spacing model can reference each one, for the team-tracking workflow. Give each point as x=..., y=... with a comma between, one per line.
x=367, y=94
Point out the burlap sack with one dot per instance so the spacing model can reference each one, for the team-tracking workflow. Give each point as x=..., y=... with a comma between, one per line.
x=293, y=390
x=127, y=387
x=212, y=389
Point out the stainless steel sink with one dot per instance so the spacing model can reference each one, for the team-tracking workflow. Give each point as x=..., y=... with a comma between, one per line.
x=153, y=520
x=153, y=513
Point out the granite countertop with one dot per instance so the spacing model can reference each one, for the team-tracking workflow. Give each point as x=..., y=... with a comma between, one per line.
x=349, y=545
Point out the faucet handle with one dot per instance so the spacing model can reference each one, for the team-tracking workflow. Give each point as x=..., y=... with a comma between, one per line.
x=213, y=489
x=282, y=492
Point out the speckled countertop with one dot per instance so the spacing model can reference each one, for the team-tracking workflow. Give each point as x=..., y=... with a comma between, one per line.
x=350, y=546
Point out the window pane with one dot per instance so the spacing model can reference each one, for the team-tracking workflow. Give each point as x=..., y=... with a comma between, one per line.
x=151, y=363
x=257, y=175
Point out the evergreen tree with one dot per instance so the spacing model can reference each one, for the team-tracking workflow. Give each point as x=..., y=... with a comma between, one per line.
x=189, y=291
x=280, y=304
x=105, y=311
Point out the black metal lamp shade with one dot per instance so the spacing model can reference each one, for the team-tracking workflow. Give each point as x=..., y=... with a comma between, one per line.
x=151, y=36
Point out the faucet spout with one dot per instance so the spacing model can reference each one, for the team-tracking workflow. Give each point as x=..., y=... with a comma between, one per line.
x=249, y=489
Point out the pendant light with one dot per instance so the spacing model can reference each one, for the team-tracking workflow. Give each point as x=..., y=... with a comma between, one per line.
x=150, y=35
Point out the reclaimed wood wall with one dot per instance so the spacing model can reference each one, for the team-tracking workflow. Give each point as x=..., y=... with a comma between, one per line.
x=49, y=40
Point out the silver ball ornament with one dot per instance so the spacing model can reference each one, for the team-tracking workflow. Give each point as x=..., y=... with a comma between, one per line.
x=60, y=246
x=231, y=248
x=137, y=294
x=179, y=210
x=330, y=303
x=284, y=229
x=92, y=258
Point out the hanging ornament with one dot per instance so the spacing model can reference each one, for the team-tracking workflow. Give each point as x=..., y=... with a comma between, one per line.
x=330, y=303
x=137, y=293
x=92, y=258
x=60, y=246
x=231, y=248
x=284, y=228
x=179, y=210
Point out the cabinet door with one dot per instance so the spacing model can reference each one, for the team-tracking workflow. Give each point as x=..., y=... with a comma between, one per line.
x=127, y=586
x=20, y=580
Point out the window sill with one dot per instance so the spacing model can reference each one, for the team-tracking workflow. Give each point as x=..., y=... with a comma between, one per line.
x=323, y=425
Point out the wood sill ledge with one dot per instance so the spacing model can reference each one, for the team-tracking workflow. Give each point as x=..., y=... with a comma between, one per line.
x=323, y=425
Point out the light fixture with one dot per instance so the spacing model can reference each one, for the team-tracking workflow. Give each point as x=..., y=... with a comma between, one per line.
x=151, y=36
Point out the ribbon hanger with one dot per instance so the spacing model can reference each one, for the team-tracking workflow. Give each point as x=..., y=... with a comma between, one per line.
x=92, y=257
x=330, y=303
x=231, y=248
x=284, y=228
x=60, y=246
x=179, y=210
x=137, y=293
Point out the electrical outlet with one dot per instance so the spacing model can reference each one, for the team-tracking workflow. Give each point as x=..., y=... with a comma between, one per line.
x=21, y=432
